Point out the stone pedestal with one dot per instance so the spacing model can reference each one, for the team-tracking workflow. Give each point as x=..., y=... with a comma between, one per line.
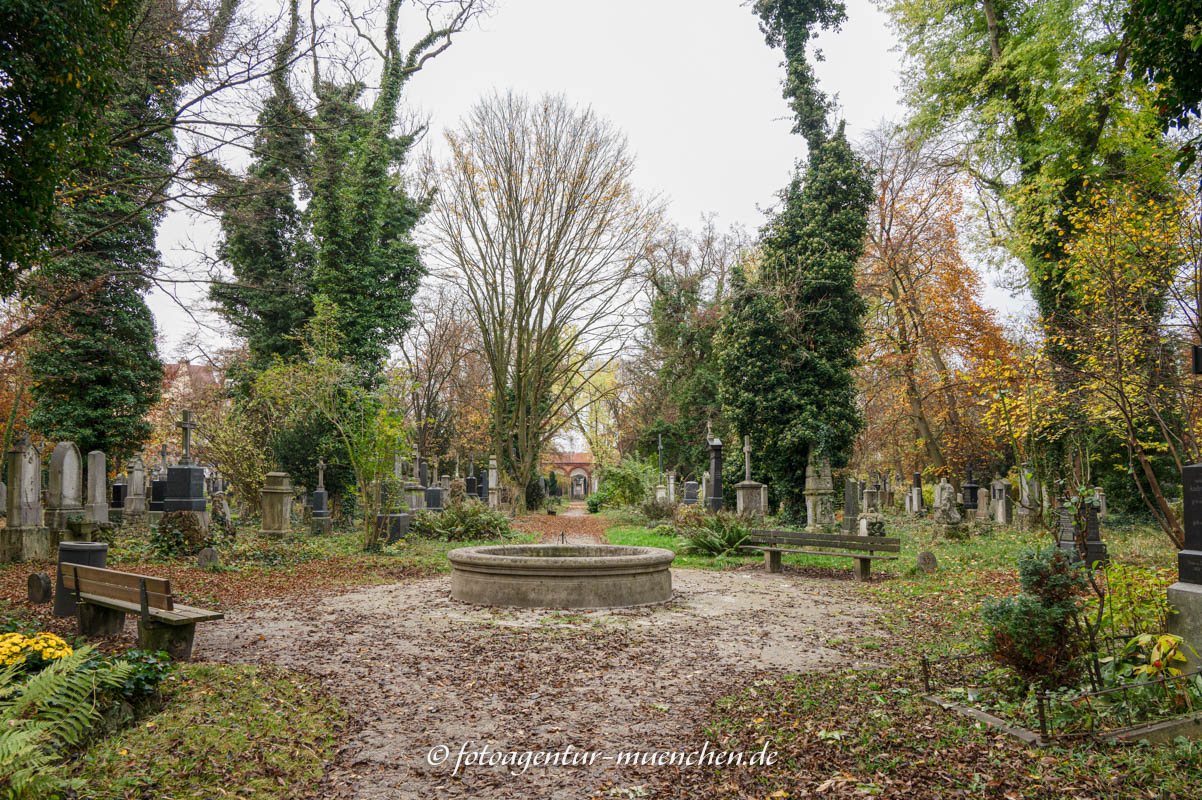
x=661, y=493
x=748, y=499
x=276, y=497
x=1186, y=598
x=494, y=489
x=135, y=498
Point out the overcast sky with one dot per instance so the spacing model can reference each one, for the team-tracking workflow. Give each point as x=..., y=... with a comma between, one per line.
x=691, y=82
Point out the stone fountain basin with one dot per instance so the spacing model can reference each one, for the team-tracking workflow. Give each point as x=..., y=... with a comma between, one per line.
x=561, y=575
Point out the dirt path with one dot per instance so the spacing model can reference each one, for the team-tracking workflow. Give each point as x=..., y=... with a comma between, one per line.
x=418, y=670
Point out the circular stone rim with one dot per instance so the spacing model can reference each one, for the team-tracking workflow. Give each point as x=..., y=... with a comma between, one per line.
x=522, y=557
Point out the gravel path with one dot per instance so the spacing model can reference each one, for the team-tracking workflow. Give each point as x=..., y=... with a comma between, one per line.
x=416, y=670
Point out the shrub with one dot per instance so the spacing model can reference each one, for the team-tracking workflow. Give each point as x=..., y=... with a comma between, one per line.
x=1053, y=575
x=467, y=521
x=534, y=494
x=594, y=502
x=627, y=483
x=664, y=530
x=1030, y=637
x=714, y=535
x=655, y=510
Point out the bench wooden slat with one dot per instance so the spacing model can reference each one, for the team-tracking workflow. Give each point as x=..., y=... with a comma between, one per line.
x=180, y=615
x=97, y=588
x=882, y=543
x=818, y=553
x=118, y=578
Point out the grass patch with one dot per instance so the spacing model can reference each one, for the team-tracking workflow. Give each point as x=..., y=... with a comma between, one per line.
x=226, y=731
x=639, y=536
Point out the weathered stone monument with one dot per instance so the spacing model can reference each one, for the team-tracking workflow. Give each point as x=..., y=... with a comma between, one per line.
x=713, y=500
x=185, y=480
x=97, y=508
x=747, y=492
x=819, y=493
x=276, y=497
x=851, y=504
x=321, y=522
x=66, y=489
x=1001, y=502
x=871, y=495
x=494, y=489
x=135, y=498
x=671, y=486
x=914, y=502
x=945, y=515
x=25, y=537
x=434, y=498
x=1186, y=594
x=691, y=491
x=117, y=494
x=1030, y=502
x=1100, y=494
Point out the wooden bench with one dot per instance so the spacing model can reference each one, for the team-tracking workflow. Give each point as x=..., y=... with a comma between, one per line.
x=773, y=543
x=104, y=596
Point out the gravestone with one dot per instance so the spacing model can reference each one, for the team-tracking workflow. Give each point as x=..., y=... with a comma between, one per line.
x=970, y=488
x=713, y=500
x=915, y=504
x=494, y=488
x=117, y=502
x=747, y=492
x=469, y=485
x=1100, y=494
x=445, y=482
x=1029, y=502
x=135, y=498
x=691, y=489
x=3, y=498
x=1185, y=596
x=671, y=487
x=276, y=498
x=851, y=504
x=221, y=513
x=158, y=489
x=397, y=527
x=1003, y=504
x=25, y=537
x=97, y=508
x=207, y=558
x=872, y=502
x=320, y=516
x=927, y=562
x=185, y=480
x=819, y=493
x=423, y=473
x=434, y=498
x=39, y=588
x=1090, y=548
x=66, y=487
x=482, y=485
x=945, y=515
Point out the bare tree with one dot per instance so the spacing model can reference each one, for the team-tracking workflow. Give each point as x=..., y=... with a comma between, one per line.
x=537, y=221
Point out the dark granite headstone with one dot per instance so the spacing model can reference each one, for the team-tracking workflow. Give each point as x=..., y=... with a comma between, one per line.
x=398, y=527
x=851, y=505
x=1095, y=548
x=423, y=472
x=469, y=485
x=969, y=488
x=1189, y=558
x=917, y=480
x=482, y=485
x=185, y=488
x=691, y=489
x=158, y=494
x=119, y=491
x=434, y=498
x=320, y=501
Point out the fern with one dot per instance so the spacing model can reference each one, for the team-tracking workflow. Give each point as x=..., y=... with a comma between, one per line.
x=45, y=714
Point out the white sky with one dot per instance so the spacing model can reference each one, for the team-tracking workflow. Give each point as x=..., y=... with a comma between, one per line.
x=691, y=82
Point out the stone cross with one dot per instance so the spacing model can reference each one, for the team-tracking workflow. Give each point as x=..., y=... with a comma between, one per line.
x=187, y=424
x=321, y=475
x=746, y=458
x=709, y=430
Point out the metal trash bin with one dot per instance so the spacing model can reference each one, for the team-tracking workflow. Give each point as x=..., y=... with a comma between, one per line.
x=92, y=554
